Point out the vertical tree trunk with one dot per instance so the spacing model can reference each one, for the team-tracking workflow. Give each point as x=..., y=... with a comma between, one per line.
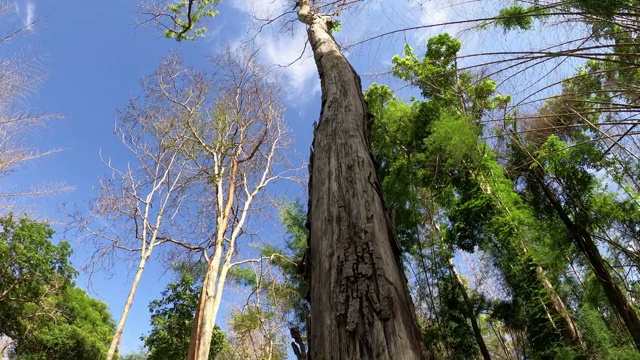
x=470, y=313
x=205, y=316
x=360, y=305
x=585, y=243
x=127, y=306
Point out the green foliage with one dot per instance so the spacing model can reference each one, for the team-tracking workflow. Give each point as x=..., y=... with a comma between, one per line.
x=605, y=9
x=436, y=74
x=453, y=142
x=186, y=15
x=515, y=17
x=79, y=328
x=172, y=320
x=335, y=27
x=140, y=355
x=291, y=291
x=454, y=331
x=278, y=304
x=29, y=262
x=41, y=309
x=431, y=151
x=255, y=336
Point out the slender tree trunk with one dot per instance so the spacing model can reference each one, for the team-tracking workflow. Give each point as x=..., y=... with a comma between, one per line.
x=585, y=243
x=360, y=304
x=555, y=307
x=127, y=306
x=471, y=314
x=570, y=331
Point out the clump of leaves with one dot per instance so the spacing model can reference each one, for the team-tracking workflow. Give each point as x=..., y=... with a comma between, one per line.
x=186, y=15
x=515, y=17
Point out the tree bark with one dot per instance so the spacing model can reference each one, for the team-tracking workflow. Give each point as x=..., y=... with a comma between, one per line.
x=570, y=331
x=360, y=304
x=210, y=297
x=206, y=313
x=585, y=243
x=127, y=306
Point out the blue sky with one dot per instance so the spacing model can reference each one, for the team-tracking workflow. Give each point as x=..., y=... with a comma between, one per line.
x=95, y=56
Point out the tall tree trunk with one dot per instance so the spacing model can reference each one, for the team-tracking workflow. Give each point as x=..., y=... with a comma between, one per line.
x=360, y=304
x=205, y=316
x=211, y=293
x=585, y=243
x=471, y=314
x=569, y=330
x=127, y=306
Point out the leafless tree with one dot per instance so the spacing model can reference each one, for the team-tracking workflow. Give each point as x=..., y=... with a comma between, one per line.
x=237, y=146
x=206, y=145
x=136, y=203
x=19, y=77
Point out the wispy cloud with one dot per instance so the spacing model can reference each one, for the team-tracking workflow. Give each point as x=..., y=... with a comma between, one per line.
x=299, y=68
x=29, y=15
x=285, y=51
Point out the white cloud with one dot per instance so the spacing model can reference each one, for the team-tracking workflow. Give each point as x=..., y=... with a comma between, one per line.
x=262, y=9
x=282, y=49
x=30, y=13
x=299, y=69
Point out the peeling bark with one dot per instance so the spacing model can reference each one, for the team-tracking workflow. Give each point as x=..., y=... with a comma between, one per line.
x=360, y=304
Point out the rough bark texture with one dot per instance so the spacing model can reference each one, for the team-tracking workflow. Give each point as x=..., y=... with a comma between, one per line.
x=360, y=305
x=585, y=243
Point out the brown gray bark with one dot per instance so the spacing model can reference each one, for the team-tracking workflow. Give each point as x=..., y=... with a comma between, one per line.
x=360, y=305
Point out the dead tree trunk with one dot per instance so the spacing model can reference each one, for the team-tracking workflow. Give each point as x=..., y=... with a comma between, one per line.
x=360, y=305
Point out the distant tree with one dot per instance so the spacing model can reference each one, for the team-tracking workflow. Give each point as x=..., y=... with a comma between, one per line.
x=31, y=268
x=133, y=211
x=206, y=147
x=172, y=318
x=231, y=125
x=77, y=327
x=140, y=355
x=277, y=308
x=255, y=334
